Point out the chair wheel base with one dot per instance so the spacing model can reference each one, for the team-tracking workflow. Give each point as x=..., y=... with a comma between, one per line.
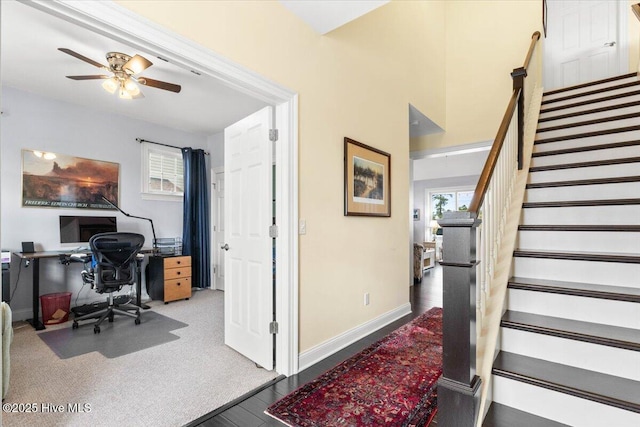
x=75, y=325
x=96, y=329
x=137, y=321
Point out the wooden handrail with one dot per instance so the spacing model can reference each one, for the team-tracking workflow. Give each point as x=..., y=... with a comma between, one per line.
x=492, y=158
x=534, y=39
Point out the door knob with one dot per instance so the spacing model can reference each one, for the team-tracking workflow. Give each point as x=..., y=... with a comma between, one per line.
x=225, y=247
x=610, y=44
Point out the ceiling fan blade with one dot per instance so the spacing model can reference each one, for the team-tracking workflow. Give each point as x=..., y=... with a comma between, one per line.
x=82, y=58
x=159, y=84
x=137, y=64
x=93, y=77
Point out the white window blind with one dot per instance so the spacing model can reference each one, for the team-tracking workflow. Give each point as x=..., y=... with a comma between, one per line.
x=163, y=172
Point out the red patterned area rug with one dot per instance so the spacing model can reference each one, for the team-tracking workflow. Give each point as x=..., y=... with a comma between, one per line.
x=390, y=383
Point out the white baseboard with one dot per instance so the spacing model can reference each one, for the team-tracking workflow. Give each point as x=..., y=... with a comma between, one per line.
x=329, y=347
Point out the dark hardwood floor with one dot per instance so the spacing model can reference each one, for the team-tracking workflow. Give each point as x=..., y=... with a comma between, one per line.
x=248, y=410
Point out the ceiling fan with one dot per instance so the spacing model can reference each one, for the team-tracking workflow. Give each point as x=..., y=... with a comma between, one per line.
x=123, y=79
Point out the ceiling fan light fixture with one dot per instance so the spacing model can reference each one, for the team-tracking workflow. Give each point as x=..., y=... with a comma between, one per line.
x=124, y=94
x=111, y=85
x=49, y=156
x=131, y=87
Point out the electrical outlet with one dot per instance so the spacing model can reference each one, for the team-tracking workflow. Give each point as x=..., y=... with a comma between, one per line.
x=366, y=298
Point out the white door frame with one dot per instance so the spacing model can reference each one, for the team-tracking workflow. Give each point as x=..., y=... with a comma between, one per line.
x=215, y=243
x=622, y=41
x=120, y=24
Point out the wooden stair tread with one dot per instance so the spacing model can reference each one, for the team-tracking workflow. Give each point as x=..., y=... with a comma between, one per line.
x=590, y=164
x=591, y=111
x=595, y=386
x=587, y=134
x=594, y=181
x=590, y=101
x=596, y=333
x=586, y=148
x=588, y=290
x=581, y=203
x=631, y=228
x=506, y=416
x=592, y=83
x=590, y=92
x=579, y=256
x=589, y=122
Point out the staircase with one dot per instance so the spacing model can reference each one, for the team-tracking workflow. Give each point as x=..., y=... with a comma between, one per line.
x=570, y=336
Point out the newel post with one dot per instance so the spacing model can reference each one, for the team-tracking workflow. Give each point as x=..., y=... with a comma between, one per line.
x=459, y=386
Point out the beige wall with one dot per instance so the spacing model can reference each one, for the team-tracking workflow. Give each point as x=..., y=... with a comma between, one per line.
x=356, y=81
x=485, y=41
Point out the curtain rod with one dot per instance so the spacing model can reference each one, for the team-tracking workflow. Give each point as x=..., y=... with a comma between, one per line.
x=140, y=140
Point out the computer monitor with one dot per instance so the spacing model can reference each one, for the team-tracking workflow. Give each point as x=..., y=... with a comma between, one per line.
x=79, y=229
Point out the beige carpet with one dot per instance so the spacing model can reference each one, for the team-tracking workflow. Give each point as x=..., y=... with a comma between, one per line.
x=166, y=385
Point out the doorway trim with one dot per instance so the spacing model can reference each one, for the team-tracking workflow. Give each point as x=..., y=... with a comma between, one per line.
x=118, y=23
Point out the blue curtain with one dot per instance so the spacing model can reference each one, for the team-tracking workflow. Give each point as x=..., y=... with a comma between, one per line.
x=195, y=232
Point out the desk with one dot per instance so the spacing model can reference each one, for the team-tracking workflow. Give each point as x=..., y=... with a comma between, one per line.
x=35, y=258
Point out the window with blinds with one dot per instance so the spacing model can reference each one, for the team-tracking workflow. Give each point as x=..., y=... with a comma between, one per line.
x=163, y=172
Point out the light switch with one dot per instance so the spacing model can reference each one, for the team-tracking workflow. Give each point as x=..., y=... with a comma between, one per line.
x=302, y=227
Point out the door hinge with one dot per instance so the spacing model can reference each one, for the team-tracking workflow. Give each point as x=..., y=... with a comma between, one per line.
x=273, y=135
x=273, y=231
x=273, y=327
x=215, y=269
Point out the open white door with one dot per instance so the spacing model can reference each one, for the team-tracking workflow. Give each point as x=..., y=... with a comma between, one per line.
x=584, y=42
x=248, y=297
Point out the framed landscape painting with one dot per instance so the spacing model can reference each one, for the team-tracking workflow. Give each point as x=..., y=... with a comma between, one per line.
x=367, y=180
x=60, y=181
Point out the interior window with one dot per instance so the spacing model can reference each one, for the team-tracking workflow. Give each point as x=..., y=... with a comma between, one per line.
x=163, y=173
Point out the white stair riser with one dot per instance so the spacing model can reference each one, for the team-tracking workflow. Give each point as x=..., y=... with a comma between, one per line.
x=587, y=156
x=591, y=172
x=592, y=106
x=588, y=141
x=583, y=241
x=596, y=310
x=625, y=214
x=586, y=117
x=586, y=97
x=622, y=190
x=588, y=128
x=560, y=407
x=590, y=88
x=605, y=273
x=584, y=355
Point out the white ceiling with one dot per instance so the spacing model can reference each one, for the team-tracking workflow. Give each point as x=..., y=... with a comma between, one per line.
x=30, y=61
x=327, y=15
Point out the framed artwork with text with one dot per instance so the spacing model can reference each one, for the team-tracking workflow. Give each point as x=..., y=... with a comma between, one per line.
x=60, y=181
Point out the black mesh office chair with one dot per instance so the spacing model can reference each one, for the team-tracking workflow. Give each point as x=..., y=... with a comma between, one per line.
x=115, y=266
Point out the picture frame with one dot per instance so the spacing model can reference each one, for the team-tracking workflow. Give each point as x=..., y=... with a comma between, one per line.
x=52, y=180
x=367, y=180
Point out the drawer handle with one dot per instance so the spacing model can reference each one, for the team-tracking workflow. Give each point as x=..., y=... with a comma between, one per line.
x=178, y=283
x=178, y=262
x=179, y=273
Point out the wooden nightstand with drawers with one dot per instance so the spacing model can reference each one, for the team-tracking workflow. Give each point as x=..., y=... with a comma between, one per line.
x=169, y=278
